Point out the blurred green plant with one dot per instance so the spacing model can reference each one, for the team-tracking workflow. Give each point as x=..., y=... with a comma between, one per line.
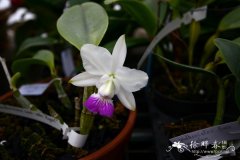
x=230, y=54
x=189, y=50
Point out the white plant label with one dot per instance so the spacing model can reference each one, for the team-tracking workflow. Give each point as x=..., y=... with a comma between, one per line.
x=224, y=132
x=67, y=63
x=35, y=89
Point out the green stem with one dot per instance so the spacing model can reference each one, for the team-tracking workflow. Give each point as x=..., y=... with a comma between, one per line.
x=194, y=34
x=87, y=118
x=77, y=111
x=208, y=49
x=62, y=94
x=86, y=121
x=220, y=103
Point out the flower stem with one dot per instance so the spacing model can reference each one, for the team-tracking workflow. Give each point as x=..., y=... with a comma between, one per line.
x=77, y=101
x=194, y=34
x=87, y=117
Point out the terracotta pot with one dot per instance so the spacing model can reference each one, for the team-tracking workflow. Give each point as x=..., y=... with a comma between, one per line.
x=115, y=149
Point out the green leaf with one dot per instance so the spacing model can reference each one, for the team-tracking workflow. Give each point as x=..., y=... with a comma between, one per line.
x=184, y=67
x=153, y=5
x=34, y=42
x=237, y=40
x=47, y=57
x=41, y=58
x=230, y=21
x=219, y=55
x=81, y=24
x=15, y=79
x=142, y=14
x=182, y=6
x=76, y=2
x=110, y=1
x=26, y=65
x=231, y=54
x=163, y=12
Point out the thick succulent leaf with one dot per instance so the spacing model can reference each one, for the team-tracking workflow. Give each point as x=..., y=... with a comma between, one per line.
x=230, y=21
x=25, y=65
x=81, y=24
x=231, y=54
x=35, y=42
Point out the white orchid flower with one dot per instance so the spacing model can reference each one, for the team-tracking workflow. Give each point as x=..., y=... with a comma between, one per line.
x=106, y=71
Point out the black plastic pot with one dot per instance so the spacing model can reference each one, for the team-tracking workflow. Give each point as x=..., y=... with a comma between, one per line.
x=179, y=108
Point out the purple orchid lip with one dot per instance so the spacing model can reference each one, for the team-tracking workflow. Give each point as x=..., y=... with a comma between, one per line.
x=100, y=105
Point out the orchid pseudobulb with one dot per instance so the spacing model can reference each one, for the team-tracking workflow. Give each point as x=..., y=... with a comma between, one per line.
x=106, y=71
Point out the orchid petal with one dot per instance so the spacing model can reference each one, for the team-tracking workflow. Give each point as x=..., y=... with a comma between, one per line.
x=131, y=79
x=106, y=109
x=84, y=79
x=92, y=103
x=127, y=99
x=119, y=53
x=96, y=60
x=100, y=105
